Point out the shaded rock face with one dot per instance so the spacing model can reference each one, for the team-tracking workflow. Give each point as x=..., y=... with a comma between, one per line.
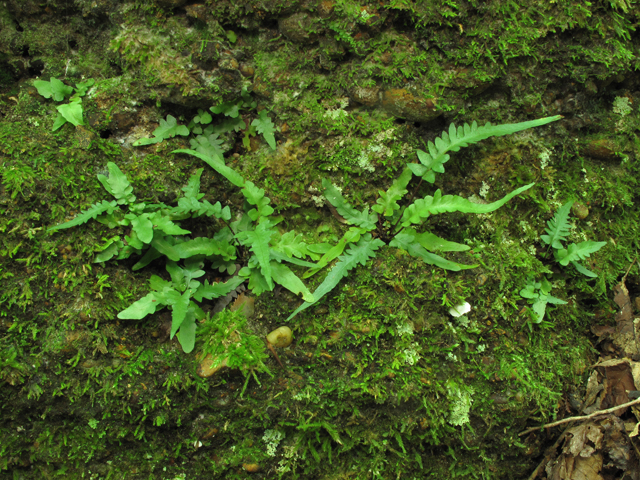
x=301, y=28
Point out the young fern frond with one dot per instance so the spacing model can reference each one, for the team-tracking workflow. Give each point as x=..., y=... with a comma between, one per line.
x=89, y=214
x=358, y=253
x=387, y=203
x=424, y=207
x=362, y=219
x=558, y=227
x=457, y=138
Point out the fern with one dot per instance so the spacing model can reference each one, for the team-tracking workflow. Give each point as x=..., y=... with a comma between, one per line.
x=168, y=128
x=358, y=253
x=362, y=219
x=387, y=204
x=265, y=127
x=433, y=162
x=219, y=166
x=577, y=251
x=558, y=227
x=557, y=231
x=89, y=214
x=423, y=208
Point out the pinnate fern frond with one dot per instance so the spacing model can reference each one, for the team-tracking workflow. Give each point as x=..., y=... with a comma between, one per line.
x=558, y=227
x=387, y=204
x=424, y=207
x=217, y=164
x=255, y=196
x=578, y=251
x=463, y=136
x=362, y=219
x=117, y=184
x=89, y=214
x=358, y=253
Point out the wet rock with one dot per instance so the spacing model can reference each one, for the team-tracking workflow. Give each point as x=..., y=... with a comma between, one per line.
x=210, y=366
x=602, y=148
x=197, y=11
x=300, y=28
x=251, y=467
x=369, y=96
x=404, y=104
x=281, y=337
x=579, y=210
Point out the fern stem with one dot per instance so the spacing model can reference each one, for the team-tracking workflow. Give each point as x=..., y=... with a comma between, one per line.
x=413, y=193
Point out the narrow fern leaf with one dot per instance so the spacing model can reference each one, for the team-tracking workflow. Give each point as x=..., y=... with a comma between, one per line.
x=460, y=137
x=583, y=270
x=162, y=245
x=362, y=219
x=281, y=257
x=359, y=253
x=179, y=312
x=151, y=255
x=219, y=166
x=215, y=290
x=89, y=214
x=258, y=240
x=577, y=251
x=187, y=333
x=205, y=246
x=289, y=280
x=141, y=308
x=558, y=227
x=192, y=188
x=424, y=207
x=387, y=203
x=434, y=243
x=351, y=236
x=255, y=196
x=408, y=242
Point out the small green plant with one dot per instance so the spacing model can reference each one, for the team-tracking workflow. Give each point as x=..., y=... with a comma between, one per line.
x=57, y=90
x=557, y=231
x=539, y=296
x=395, y=224
x=208, y=133
x=251, y=241
x=228, y=342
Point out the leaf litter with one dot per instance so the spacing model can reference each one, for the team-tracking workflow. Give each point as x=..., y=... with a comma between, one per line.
x=602, y=442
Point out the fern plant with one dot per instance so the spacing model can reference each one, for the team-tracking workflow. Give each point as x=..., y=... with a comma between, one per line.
x=209, y=135
x=398, y=225
x=557, y=231
x=68, y=112
x=251, y=241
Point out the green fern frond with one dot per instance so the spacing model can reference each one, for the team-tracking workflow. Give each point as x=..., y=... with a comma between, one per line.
x=258, y=240
x=457, y=138
x=362, y=219
x=424, y=207
x=558, y=227
x=577, y=251
x=117, y=184
x=409, y=242
x=89, y=214
x=219, y=166
x=387, y=204
x=358, y=253
x=255, y=196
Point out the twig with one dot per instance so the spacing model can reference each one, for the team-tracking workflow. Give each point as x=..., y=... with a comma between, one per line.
x=579, y=418
x=548, y=456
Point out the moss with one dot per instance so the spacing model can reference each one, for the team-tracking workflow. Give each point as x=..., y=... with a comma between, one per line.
x=380, y=377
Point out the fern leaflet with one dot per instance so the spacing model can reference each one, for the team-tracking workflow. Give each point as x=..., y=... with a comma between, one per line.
x=558, y=227
x=578, y=251
x=457, y=138
x=423, y=207
x=359, y=253
x=387, y=204
x=89, y=214
x=362, y=219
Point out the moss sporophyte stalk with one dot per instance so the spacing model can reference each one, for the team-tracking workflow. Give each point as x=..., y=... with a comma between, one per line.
x=252, y=239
